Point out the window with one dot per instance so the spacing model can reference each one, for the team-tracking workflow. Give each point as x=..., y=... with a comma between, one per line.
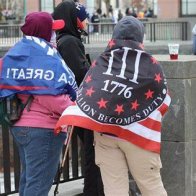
x=188, y=7
x=47, y=5
x=152, y=4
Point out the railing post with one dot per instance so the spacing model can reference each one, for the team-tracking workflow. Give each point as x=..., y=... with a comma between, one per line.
x=184, y=30
x=6, y=152
x=150, y=32
x=74, y=155
x=88, y=38
x=186, y=24
x=154, y=31
x=16, y=166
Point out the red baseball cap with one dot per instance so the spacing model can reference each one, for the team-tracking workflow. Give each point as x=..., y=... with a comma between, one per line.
x=58, y=24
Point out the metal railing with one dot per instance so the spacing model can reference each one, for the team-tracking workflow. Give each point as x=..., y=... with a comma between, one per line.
x=101, y=32
x=154, y=31
x=10, y=163
x=9, y=34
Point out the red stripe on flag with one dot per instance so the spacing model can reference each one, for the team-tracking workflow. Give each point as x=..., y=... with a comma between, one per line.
x=163, y=109
x=1, y=65
x=151, y=124
x=116, y=130
x=22, y=87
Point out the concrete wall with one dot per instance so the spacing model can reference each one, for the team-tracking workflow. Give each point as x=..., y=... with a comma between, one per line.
x=178, y=138
x=151, y=47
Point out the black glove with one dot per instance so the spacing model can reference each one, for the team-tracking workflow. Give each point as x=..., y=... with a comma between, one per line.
x=71, y=92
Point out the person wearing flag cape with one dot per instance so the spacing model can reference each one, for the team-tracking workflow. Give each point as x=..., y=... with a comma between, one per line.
x=33, y=67
x=122, y=99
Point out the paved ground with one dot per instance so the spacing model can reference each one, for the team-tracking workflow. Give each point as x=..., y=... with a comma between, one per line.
x=66, y=189
x=69, y=188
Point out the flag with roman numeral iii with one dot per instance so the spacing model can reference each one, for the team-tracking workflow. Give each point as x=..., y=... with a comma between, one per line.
x=124, y=94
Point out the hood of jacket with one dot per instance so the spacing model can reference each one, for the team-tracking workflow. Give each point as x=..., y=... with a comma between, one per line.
x=129, y=28
x=66, y=10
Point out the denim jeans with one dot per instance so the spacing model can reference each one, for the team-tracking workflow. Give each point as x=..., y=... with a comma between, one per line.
x=39, y=151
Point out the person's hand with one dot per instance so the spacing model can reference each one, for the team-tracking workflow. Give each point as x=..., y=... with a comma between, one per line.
x=71, y=92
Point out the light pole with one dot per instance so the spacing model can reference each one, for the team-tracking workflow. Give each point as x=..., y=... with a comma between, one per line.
x=100, y=4
x=25, y=7
x=117, y=3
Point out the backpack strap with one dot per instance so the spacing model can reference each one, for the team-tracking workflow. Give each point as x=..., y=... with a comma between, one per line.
x=27, y=103
x=17, y=107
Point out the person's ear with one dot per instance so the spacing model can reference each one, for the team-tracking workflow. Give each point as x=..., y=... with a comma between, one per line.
x=79, y=24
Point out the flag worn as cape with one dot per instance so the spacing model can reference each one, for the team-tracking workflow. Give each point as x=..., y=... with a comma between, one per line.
x=124, y=94
x=33, y=66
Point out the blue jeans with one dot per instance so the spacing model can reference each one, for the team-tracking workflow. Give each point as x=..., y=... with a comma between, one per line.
x=39, y=151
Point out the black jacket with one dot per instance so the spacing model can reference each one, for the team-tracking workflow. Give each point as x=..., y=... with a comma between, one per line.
x=69, y=42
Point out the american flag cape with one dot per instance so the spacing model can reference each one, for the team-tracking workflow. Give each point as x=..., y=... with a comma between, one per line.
x=124, y=94
x=33, y=66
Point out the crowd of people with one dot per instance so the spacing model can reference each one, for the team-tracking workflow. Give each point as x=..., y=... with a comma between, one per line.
x=118, y=136
x=114, y=16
